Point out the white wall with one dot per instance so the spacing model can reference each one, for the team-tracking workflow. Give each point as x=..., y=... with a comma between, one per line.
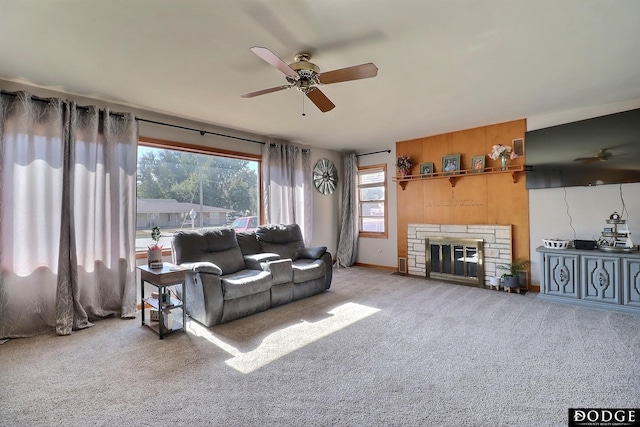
x=326, y=208
x=588, y=207
x=382, y=252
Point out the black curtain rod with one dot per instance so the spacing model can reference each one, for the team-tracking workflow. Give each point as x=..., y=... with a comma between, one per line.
x=375, y=152
x=202, y=132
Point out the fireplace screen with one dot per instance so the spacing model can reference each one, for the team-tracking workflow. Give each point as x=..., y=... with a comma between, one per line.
x=460, y=260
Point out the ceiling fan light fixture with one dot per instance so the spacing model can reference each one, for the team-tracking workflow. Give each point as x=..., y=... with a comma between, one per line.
x=303, y=67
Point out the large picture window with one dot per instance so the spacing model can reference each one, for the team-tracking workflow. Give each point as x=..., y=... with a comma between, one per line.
x=187, y=187
x=372, y=201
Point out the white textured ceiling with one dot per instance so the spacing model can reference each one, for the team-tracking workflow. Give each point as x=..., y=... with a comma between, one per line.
x=443, y=65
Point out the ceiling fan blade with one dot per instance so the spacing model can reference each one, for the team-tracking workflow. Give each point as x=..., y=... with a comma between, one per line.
x=265, y=91
x=356, y=72
x=271, y=59
x=320, y=100
x=587, y=159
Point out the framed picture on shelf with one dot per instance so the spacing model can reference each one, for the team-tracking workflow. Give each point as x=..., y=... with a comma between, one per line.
x=518, y=146
x=450, y=164
x=426, y=168
x=477, y=164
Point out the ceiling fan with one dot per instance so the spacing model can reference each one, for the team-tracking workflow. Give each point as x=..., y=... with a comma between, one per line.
x=602, y=156
x=305, y=75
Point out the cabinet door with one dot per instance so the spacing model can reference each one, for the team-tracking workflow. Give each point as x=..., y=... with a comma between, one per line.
x=601, y=279
x=631, y=282
x=561, y=275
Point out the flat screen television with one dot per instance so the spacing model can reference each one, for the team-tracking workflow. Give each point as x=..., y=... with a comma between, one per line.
x=601, y=150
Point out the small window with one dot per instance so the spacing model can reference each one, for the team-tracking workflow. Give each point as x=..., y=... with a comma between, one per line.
x=372, y=201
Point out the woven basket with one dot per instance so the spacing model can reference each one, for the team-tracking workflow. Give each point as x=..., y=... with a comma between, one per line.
x=555, y=244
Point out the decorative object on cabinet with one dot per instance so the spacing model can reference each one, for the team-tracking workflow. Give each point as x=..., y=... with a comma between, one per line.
x=450, y=164
x=325, y=176
x=427, y=168
x=555, y=243
x=518, y=146
x=154, y=252
x=615, y=240
x=403, y=164
x=511, y=277
x=477, y=164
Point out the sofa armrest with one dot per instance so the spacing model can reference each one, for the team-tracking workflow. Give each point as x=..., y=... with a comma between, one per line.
x=253, y=262
x=314, y=252
x=202, y=267
x=203, y=300
x=281, y=270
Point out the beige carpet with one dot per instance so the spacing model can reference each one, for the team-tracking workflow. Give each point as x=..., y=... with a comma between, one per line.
x=375, y=350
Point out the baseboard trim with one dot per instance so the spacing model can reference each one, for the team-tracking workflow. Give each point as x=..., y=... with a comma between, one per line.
x=378, y=267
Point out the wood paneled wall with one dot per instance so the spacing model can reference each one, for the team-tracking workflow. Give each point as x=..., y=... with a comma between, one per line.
x=475, y=199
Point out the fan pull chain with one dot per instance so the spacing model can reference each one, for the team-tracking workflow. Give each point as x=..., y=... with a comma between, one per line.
x=303, y=114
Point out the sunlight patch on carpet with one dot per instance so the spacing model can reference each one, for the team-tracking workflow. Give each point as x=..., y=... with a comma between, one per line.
x=286, y=340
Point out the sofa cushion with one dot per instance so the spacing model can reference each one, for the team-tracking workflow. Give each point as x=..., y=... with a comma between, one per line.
x=284, y=240
x=307, y=269
x=248, y=242
x=217, y=245
x=284, y=250
x=245, y=282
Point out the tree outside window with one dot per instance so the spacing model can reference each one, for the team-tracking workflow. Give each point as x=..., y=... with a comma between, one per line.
x=173, y=182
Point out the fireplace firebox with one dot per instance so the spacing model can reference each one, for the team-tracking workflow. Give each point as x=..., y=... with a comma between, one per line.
x=458, y=260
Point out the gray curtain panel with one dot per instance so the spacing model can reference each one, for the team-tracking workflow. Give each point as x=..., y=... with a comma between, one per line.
x=348, y=243
x=67, y=227
x=286, y=180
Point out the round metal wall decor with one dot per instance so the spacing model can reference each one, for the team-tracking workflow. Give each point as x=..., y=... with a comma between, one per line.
x=325, y=176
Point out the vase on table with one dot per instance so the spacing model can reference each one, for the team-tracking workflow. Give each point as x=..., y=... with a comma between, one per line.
x=154, y=257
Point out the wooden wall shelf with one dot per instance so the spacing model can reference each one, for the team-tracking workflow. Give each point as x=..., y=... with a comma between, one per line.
x=515, y=171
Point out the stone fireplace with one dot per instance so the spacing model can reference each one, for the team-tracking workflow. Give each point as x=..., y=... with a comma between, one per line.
x=464, y=253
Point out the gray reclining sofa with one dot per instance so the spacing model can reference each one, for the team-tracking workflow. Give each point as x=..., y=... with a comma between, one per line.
x=232, y=275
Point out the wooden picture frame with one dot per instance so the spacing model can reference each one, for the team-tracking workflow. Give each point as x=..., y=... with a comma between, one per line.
x=518, y=146
x=450, y=164
x=427, y=168
x=477, y=164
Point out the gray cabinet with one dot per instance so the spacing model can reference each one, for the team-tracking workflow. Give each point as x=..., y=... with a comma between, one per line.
x=592, y=278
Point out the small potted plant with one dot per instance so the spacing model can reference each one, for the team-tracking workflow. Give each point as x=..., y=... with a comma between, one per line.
x=404, y=164
x=511, y=276
x=154, y=252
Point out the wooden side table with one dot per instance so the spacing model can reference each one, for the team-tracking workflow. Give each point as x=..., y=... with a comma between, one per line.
x=162, y=278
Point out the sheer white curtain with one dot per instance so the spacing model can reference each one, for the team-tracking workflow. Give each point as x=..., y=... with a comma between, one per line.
x=67, y=204
x=286, y=178
x=348, y=243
